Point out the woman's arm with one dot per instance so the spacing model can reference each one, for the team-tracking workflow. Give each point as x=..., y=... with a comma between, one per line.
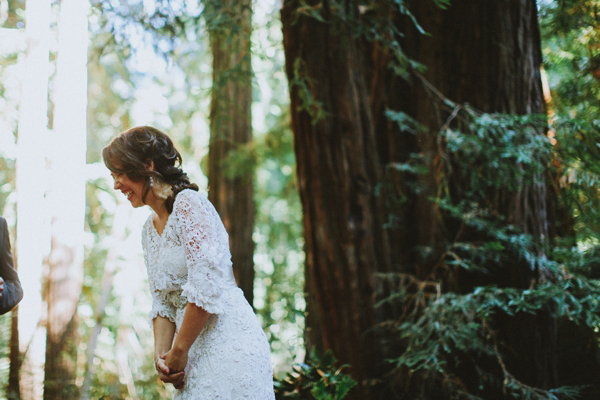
x=164, y=331
x=193, y=322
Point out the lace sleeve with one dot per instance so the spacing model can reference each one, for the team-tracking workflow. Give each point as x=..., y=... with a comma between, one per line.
x=206, y=246
x=160, y=305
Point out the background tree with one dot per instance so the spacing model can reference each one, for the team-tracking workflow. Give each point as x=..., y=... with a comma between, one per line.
x=230, y=177
x=11, y=92
x=417, y=149
x=31, y=217
x=488, y=57
x=338, y=171
x=67, y=193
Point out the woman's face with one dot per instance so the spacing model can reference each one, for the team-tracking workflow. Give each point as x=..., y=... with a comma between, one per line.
x=131, y=189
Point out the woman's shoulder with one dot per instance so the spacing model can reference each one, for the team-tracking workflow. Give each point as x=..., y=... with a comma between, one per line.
x=189, y=198
x=189, y=195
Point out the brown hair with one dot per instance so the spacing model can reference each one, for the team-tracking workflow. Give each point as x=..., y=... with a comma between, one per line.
x=131, y=151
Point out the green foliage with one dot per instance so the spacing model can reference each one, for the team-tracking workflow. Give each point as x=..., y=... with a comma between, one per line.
x=305, y=85
x=405, y=122
x=572, y=55
x=580, y=174
x=362, y=19
x=444, y=327
x=571, y=51
x=223, y=18
x=319, y=379
x=496, y=150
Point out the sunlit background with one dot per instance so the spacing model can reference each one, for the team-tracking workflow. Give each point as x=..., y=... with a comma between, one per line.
x=72, y=76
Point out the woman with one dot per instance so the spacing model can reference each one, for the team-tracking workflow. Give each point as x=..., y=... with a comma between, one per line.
x=207, y=340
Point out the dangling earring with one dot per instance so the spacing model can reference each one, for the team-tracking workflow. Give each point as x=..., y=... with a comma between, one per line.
x=151, y=181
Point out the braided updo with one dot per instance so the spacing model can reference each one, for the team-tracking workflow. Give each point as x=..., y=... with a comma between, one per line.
x=131, y=152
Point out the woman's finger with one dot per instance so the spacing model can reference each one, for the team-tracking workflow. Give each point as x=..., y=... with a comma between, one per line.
x=172, y=378
x=161, y=366
x=178, y=384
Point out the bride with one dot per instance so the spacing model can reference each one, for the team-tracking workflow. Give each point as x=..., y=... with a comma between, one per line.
x=207, y=340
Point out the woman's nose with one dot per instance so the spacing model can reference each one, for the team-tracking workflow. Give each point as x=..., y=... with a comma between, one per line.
x=116, y=184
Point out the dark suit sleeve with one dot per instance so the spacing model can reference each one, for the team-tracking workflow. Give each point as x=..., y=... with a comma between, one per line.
x=13, y=292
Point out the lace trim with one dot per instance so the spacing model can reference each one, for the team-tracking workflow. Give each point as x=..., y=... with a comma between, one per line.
x=211, y=306
x=163, y=313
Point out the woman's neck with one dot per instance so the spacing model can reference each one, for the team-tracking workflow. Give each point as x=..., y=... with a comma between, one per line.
x=157, y=205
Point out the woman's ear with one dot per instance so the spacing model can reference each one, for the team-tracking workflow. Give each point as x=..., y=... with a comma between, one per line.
x=149, y=165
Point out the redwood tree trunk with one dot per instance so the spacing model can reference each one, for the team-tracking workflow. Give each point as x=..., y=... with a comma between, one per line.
x=486, y=54
x=489, y=56
x=338, y=170
x=231, y=187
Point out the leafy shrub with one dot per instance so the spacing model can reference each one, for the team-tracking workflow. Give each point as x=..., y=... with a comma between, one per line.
x=318, y=379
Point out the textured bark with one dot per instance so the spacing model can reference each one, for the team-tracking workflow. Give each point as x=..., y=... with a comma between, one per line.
x=338, y=171
x=486, y=54
x=231, y=192
x=489, y=56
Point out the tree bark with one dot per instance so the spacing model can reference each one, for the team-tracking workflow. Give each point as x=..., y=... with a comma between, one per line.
x=486, y=54
x=489, y=56
x=338, y=171
x=14, y=390
x=230, y=182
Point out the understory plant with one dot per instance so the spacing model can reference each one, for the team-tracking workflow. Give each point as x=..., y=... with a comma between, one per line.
x=319, y=378
x=453, y=331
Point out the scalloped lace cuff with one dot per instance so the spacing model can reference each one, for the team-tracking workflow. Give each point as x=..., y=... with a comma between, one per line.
x=210, y=304
x=163, y=313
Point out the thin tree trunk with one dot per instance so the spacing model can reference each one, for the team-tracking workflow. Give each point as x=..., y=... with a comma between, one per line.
x=118, y=233
x=68, y=201
x=231, y=182
x=125, y=373
x=13, y=390
x=31, y=218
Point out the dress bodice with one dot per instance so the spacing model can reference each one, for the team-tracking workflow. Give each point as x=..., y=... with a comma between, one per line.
x=190, y=260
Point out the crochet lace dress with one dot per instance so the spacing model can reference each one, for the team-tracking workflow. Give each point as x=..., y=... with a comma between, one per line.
x=191, y=262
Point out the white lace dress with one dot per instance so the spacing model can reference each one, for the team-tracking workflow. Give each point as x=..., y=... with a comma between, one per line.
x=191, y=262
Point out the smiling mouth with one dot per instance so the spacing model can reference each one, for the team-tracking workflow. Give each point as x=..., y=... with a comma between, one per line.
x=128, y=194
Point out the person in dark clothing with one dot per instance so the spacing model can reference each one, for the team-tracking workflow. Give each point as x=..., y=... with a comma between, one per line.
x=11, y=291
